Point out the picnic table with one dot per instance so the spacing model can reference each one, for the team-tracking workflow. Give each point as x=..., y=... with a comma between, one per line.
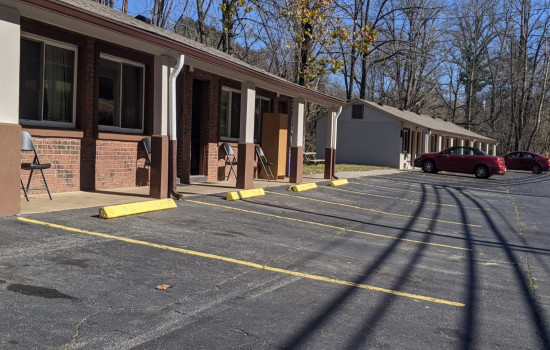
x=311, y=158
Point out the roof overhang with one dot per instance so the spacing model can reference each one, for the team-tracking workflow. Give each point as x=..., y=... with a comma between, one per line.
x=421, y=125
x=67, y=16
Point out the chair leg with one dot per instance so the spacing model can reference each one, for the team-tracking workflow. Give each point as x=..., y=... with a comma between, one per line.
x=46, y=183
x=24, y=189
x=270, y=172
x=232, y=170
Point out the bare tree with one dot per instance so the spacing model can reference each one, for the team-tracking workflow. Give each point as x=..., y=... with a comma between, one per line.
x=161, y=12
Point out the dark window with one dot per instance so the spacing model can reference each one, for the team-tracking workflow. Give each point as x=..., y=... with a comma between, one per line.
x=357, y=111
x=47, y=81
x=406, y=141
x=120, y=104
x=263, y=105
x=230, y=114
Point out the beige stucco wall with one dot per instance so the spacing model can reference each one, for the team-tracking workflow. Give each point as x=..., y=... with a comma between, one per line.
x=9, y=65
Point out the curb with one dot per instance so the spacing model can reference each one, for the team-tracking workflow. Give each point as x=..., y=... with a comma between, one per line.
x=116, y=211
x=339, y=182
x=235, y=196
x=303, y=187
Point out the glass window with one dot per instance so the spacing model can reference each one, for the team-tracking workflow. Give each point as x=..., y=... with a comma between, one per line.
x=230, y=114
x=263, y=105
x=121, y=88
x=357, y=112
x=47, y=88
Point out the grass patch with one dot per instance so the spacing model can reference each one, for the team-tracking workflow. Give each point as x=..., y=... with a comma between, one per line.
x=320, y=168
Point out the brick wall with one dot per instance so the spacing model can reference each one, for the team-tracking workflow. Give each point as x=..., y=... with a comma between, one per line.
x=120, y=164
x=64, y=156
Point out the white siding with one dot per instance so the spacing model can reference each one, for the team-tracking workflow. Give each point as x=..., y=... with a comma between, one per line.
x=373, y=140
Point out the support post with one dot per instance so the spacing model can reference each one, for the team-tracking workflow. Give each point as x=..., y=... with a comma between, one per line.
x=10, y=130
x=297, y=141
x=159, y=167
x=245, y=169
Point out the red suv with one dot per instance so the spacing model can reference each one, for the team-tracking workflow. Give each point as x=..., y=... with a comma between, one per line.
x=462, y=160
x=527, y=161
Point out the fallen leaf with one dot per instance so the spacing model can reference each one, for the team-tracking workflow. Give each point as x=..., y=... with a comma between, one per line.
x=164, y=286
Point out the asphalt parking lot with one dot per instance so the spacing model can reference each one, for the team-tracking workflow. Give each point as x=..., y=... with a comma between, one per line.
x=402, y=261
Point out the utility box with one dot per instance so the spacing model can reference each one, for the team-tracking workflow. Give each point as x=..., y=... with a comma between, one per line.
x=274, y=141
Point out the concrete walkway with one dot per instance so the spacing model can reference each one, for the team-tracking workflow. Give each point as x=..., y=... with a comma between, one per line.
x=40, y=203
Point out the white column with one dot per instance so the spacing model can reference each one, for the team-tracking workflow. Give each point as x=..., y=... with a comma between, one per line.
x=495, y=149
x=451, y=142
x=439, y=143
x=163, y=69
x=426, y=145
x=331, y=128
x=473, y=143
x=461, y=142
x=9, y=65
x=297, y=130
x=487, y=148
x=248, y=103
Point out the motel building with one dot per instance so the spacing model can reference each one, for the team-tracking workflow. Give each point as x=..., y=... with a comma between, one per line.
x=89, y=83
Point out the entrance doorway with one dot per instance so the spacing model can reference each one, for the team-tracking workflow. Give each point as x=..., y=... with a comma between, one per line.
x=197, y=116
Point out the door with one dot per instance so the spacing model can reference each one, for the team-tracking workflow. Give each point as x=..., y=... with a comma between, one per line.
x=198, y=111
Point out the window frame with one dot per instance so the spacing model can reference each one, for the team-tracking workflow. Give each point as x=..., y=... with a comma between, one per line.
x=60, y=44
x=260, y=124
x=121, y=129
x=231, y=91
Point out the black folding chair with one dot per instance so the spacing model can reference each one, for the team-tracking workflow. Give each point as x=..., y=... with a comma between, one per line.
x=146, y=141
x=265, y=164
x=28, y=146
x=230, y=159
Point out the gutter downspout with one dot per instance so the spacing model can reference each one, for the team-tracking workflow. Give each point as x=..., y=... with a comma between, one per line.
x=172, y=130
x=334, y=136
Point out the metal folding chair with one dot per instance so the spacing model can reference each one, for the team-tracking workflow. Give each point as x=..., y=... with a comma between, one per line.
x=28, y=146
x=230, y=159
x=264, y=163
x=146, y=141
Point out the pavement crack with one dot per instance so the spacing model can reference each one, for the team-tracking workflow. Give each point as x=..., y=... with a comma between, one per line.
x=78, y=330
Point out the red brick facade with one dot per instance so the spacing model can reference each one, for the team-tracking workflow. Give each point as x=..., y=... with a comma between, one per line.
x=87, y=159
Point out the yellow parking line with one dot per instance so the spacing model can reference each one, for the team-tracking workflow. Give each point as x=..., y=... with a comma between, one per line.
x=444, y=186
x=376, y=211
x=327, y=226
x=393, y=189
x=404, y=199
x=248, y=264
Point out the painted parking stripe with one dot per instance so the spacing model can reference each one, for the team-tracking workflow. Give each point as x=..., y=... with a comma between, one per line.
x=404, y=199
x=376, y=211
x=339, y=228
x=393, y=189
x=247, y=263
x=470, y=188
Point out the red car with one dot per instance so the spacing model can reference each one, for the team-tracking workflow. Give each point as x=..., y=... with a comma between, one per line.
x=527, y=161
x=462, y=160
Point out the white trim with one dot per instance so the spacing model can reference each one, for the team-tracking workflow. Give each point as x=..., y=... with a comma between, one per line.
x=119, y=112
x=66, y=46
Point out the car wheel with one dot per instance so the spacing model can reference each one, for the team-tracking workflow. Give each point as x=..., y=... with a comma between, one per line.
x=536, y=169
x=428, y=166
x=481, y=172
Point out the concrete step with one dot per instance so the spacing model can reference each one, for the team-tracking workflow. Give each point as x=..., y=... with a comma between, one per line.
x=193, y=179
